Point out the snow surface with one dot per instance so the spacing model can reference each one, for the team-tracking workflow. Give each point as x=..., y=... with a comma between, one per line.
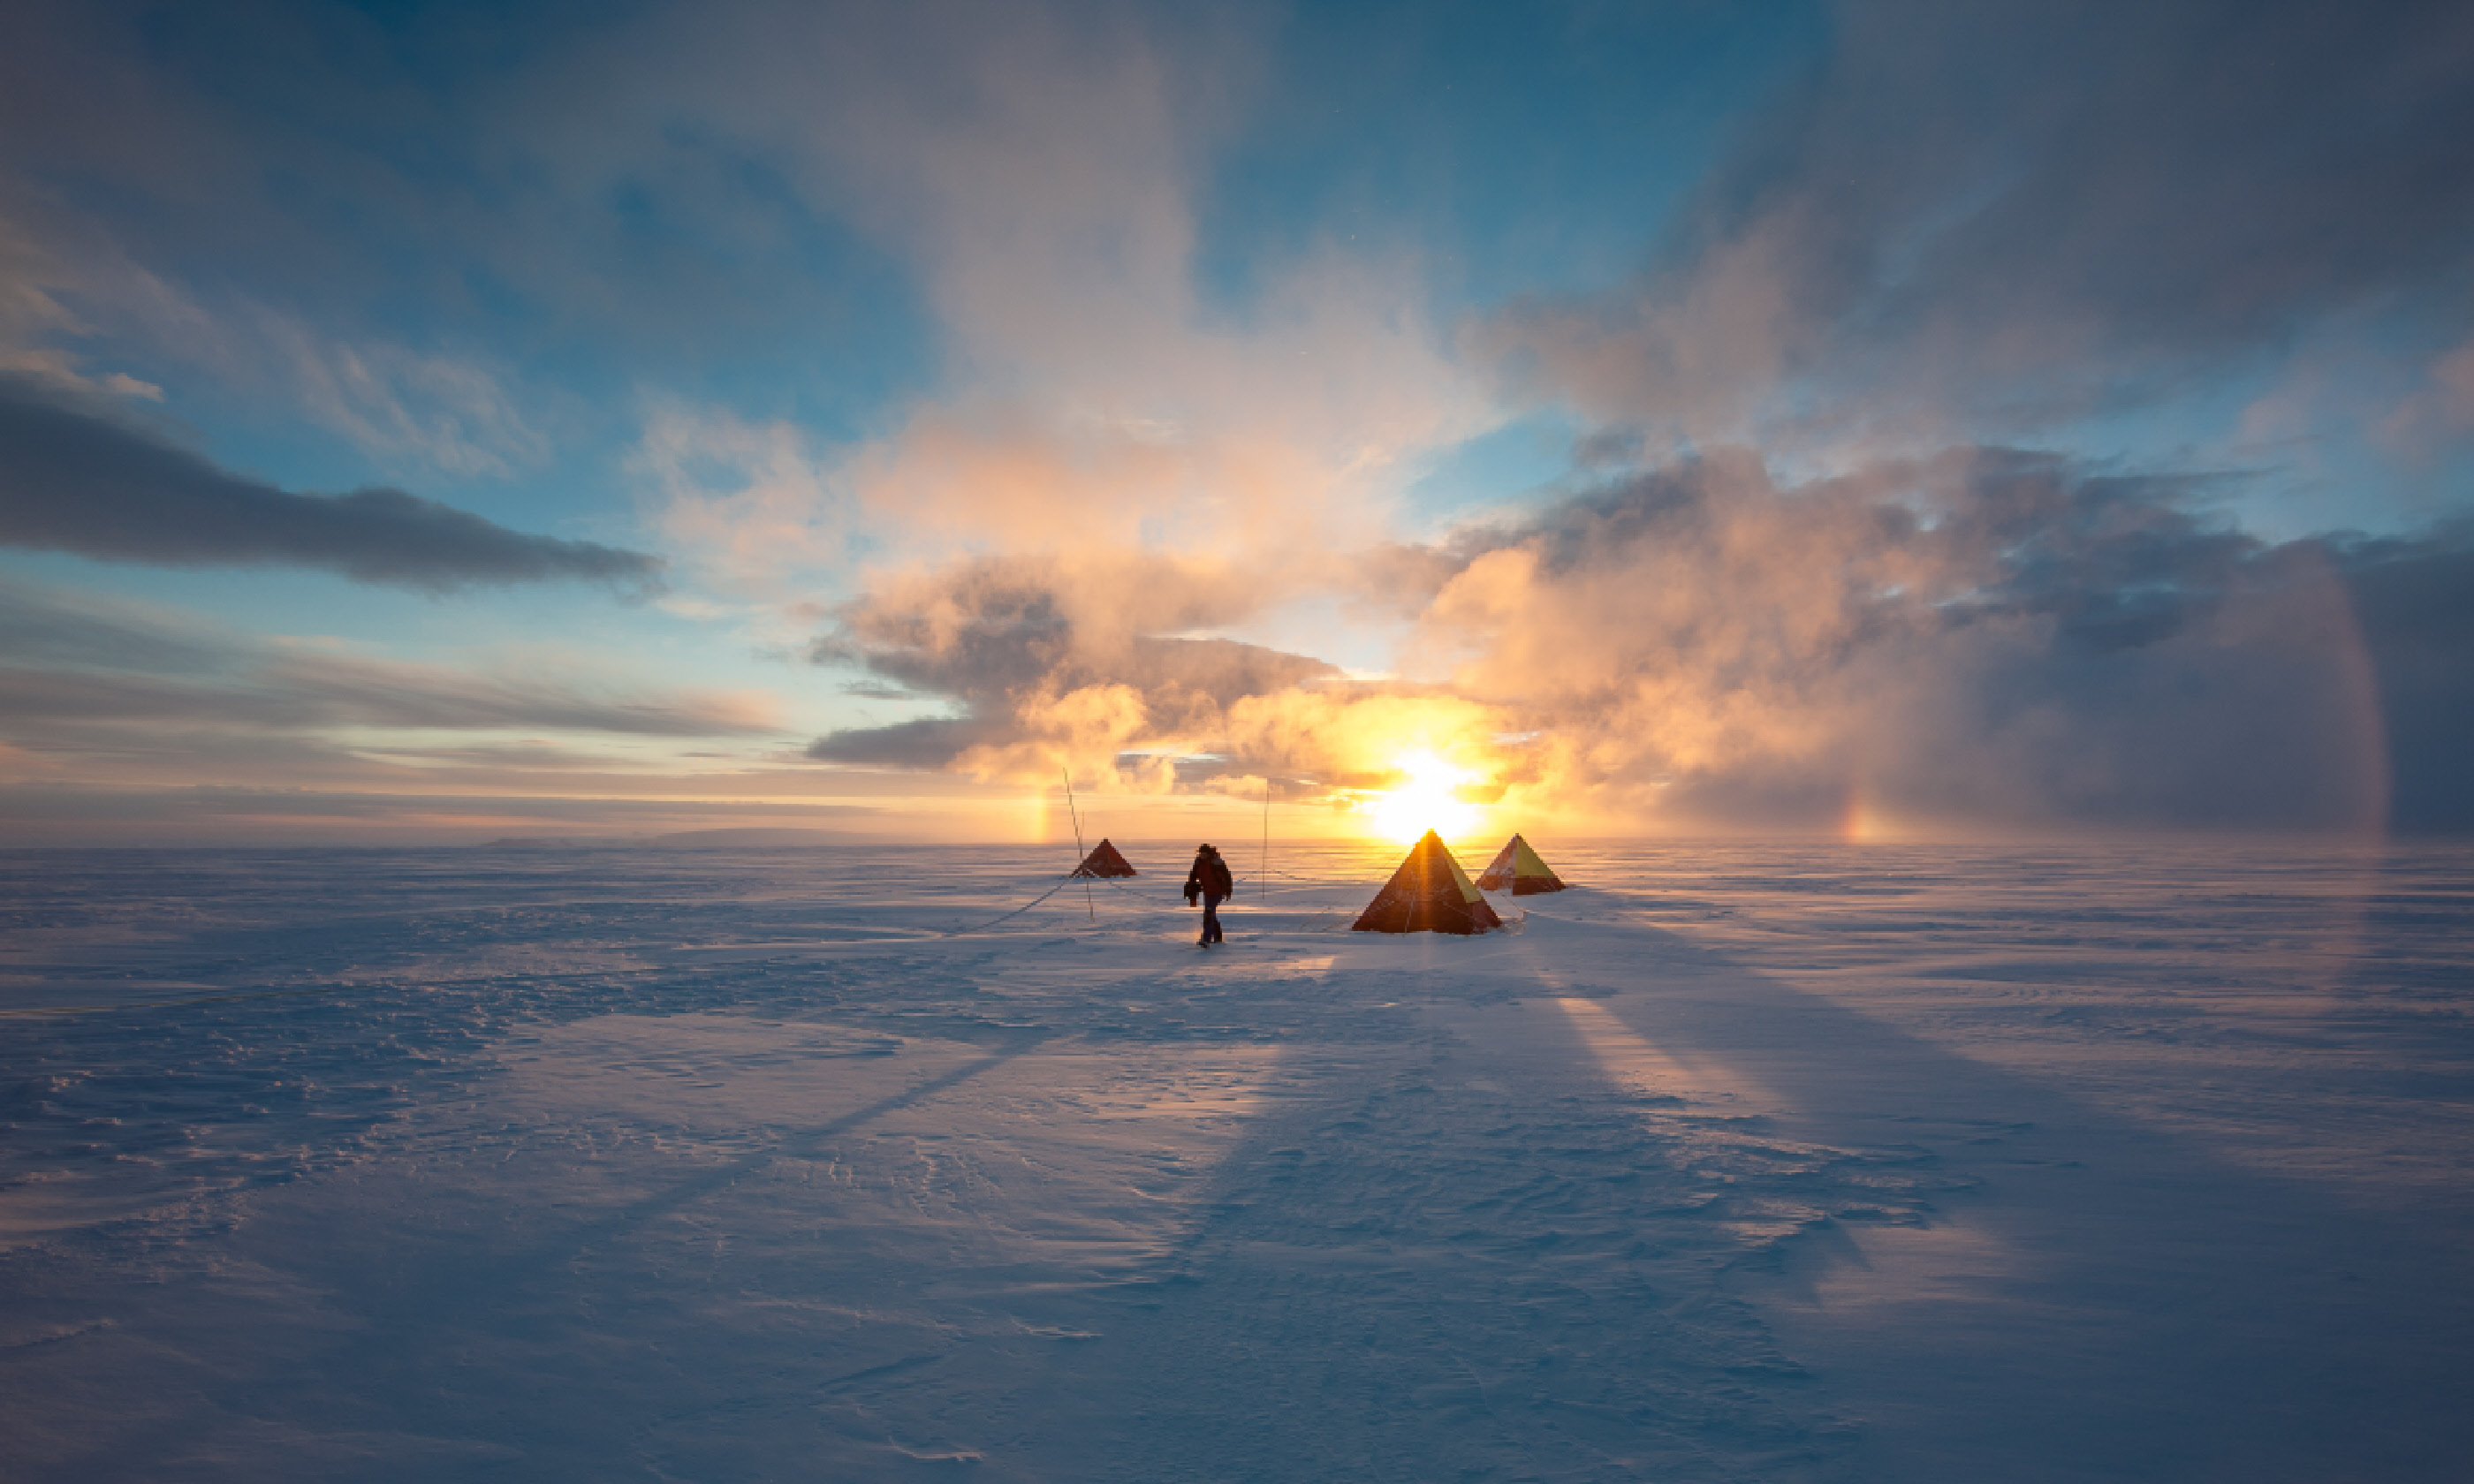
x=1744, y=1162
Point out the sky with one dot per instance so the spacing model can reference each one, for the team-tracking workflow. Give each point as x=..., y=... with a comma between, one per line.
x=438, y=423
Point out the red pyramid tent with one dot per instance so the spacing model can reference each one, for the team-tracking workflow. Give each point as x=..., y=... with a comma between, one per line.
x=1429, y=894
x=1518, y=870
x=1105, y=861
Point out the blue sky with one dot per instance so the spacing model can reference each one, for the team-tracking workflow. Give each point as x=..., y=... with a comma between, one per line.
x=1767, y=415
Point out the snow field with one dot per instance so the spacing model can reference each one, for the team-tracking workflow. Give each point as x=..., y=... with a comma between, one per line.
x=1754, y=1162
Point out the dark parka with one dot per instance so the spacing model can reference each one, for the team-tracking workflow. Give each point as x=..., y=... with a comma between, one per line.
x=1210, y=878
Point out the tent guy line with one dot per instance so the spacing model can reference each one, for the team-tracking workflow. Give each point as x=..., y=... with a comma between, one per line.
x=169, y=1004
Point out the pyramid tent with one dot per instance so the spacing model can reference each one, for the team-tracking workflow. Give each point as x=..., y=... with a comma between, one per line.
x=1429, y=894
x=1518, y=870
x=1103, y=861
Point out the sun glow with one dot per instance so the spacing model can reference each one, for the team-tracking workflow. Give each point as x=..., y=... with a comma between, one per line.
x=1428, y=800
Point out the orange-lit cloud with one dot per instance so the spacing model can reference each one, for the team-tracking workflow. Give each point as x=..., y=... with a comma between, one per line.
x=1985, y=636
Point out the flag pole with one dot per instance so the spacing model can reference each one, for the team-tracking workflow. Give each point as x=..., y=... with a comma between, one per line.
x=1079, y=858
x=1263, y=862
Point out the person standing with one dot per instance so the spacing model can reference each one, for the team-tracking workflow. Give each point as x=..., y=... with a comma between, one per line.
x=1210, y=880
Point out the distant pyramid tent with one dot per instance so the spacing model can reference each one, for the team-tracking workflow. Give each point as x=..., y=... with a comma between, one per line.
x=1518, y=870
x=1429, y=894
x=1105, y=861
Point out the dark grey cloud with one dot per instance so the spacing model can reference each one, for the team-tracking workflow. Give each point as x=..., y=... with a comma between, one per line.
x=929, y=742
x=2024, y=210
x=1217, y=670
x=75, y=479
x=998, y=637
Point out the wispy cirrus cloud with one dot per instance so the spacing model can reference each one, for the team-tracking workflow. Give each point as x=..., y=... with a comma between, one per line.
x=77, y=666
x=70, y=297
x=401, y=406
x=1041, y=173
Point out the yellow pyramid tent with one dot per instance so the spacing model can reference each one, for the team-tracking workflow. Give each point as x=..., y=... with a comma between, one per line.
x=1429, y=894
x=1519, y=870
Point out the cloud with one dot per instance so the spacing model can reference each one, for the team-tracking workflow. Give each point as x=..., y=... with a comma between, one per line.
x=1984, y=637
x=390, y=401
x=361, y=691
x=929, y=742
x=1057, y=661
x=2003, y=216
x=1987, y=635
x=306, y=693
x=330, y=694
x=83, y=672
x=2440, y=409
x=68, y=291
x=1041, y=173
x=121, y=722
x=73, y=479
x=58, y=815
x=1967, y=228
x=54, y=630
x=755, y=501
x=240, y=241
x=1997, y=220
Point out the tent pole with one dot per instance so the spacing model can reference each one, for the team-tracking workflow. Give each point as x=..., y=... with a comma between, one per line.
x=1079, y=858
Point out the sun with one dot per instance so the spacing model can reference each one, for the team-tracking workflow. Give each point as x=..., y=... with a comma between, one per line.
x=1428, y=800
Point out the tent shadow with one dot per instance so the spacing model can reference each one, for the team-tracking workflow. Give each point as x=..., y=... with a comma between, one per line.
x=2106, y=1300
x=1461, y=1252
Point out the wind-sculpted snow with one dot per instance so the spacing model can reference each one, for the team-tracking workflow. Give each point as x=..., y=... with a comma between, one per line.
x=1738, y=1162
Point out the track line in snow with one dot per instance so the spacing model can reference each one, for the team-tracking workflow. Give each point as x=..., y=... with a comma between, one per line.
x=799, y=1145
